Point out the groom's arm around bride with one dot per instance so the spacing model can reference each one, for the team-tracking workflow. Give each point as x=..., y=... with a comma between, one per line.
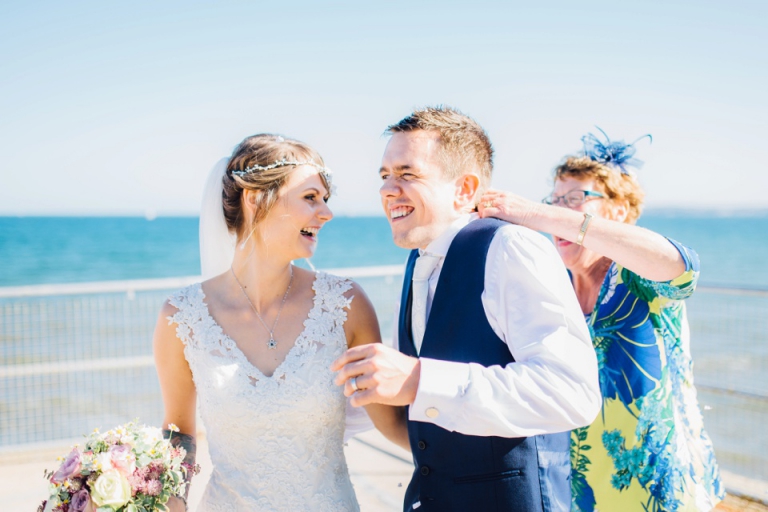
x=495, y=362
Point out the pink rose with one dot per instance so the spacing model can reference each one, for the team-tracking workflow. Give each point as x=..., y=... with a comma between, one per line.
x=68, y=469
x=79, y=501
x=123, y=459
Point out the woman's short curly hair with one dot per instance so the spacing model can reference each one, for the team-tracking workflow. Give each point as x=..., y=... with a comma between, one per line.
x=617, y=186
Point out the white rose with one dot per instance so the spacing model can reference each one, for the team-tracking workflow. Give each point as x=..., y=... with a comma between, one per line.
x=111, y=489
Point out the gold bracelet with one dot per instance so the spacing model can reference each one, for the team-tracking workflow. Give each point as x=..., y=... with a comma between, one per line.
x=583, y=230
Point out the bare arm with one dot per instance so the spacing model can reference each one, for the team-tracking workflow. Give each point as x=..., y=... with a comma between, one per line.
x=178, y=392
x=362, y=328
x=640, y=250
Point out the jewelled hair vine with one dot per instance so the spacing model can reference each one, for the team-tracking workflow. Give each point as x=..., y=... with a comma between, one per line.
x=324, y=171
x=614, y=153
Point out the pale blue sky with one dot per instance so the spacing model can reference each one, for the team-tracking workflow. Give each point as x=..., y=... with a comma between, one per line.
x=120, y=108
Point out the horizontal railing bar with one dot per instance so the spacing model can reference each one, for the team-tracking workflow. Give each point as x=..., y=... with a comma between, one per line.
x=20, y=453
x=137, y=285
x=141, y=285
x=82, y=365
x=357, y=272
x=730, y=290
x=730, y=391
x=120, y=363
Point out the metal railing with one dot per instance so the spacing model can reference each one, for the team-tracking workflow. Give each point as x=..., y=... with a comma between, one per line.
x=729, y=343
x=75, y=357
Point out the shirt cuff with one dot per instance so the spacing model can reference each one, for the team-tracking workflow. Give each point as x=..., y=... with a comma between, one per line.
x=440, y=384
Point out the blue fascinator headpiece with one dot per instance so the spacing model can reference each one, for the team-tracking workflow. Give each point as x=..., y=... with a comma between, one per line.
x=616, y=153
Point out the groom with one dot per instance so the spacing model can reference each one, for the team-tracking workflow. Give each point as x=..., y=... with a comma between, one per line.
x=495, y=362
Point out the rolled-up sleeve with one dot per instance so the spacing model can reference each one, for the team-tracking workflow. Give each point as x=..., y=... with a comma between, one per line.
x=680, y=288
x=553, y=384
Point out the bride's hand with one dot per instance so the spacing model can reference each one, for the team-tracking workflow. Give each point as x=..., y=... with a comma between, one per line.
x=176, y=504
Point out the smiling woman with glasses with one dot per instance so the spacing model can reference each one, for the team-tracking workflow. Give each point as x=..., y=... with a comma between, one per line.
x=647, y=450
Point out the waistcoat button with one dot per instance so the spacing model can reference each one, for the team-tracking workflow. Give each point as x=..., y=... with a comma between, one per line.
x=422, y=445
x=424, y=470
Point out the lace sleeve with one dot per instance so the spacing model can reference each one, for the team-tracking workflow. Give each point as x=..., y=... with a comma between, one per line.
x=186, y=316
x=333, y=289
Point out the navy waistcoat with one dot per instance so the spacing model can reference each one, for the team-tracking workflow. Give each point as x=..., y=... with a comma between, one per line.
x=455, y=472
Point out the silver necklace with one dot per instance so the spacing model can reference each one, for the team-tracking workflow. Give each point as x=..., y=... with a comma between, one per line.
x=272, y=344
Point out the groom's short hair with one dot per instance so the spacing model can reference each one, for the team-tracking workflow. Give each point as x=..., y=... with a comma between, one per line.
x=465, y=147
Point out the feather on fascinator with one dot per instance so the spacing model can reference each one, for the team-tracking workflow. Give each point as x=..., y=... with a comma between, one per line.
x=616, y=153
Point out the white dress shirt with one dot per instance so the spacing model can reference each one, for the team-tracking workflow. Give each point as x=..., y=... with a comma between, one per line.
x=530, y=304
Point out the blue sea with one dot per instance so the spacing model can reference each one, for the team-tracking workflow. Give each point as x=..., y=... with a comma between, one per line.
x=43, y=250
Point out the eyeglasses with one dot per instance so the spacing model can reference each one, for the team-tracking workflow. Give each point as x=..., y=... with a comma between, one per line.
x=572, y=198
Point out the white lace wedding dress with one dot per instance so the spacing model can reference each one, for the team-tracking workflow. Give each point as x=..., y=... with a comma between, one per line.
x=275, y=442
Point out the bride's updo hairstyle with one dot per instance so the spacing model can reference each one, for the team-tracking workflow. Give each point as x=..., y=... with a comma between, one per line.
x=262, y=163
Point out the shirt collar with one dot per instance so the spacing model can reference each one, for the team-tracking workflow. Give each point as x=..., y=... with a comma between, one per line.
x=439, y=246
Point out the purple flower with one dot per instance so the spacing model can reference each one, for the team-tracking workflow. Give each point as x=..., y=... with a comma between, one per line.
x=79, y=501
x=68, y=469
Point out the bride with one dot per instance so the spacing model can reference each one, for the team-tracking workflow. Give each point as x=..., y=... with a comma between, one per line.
x=256, y=340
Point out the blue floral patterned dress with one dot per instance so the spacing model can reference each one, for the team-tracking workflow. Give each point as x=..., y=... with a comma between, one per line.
x=647, y=450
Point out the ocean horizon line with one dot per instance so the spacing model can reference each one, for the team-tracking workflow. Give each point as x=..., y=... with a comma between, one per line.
x=652, y=210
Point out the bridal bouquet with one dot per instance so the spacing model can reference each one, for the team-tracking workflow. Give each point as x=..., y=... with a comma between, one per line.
x=131, y=468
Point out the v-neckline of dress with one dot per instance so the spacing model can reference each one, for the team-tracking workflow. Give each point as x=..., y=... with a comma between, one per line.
x=237, y=352
x=605, y=285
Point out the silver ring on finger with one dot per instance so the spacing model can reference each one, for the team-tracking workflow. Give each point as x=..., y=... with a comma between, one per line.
x=353, y=381
x=488, y=204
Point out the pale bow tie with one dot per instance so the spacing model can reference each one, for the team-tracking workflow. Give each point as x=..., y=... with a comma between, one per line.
x=425, y=265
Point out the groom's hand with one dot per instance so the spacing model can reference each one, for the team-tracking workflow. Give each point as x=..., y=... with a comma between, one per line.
x=384, y=375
